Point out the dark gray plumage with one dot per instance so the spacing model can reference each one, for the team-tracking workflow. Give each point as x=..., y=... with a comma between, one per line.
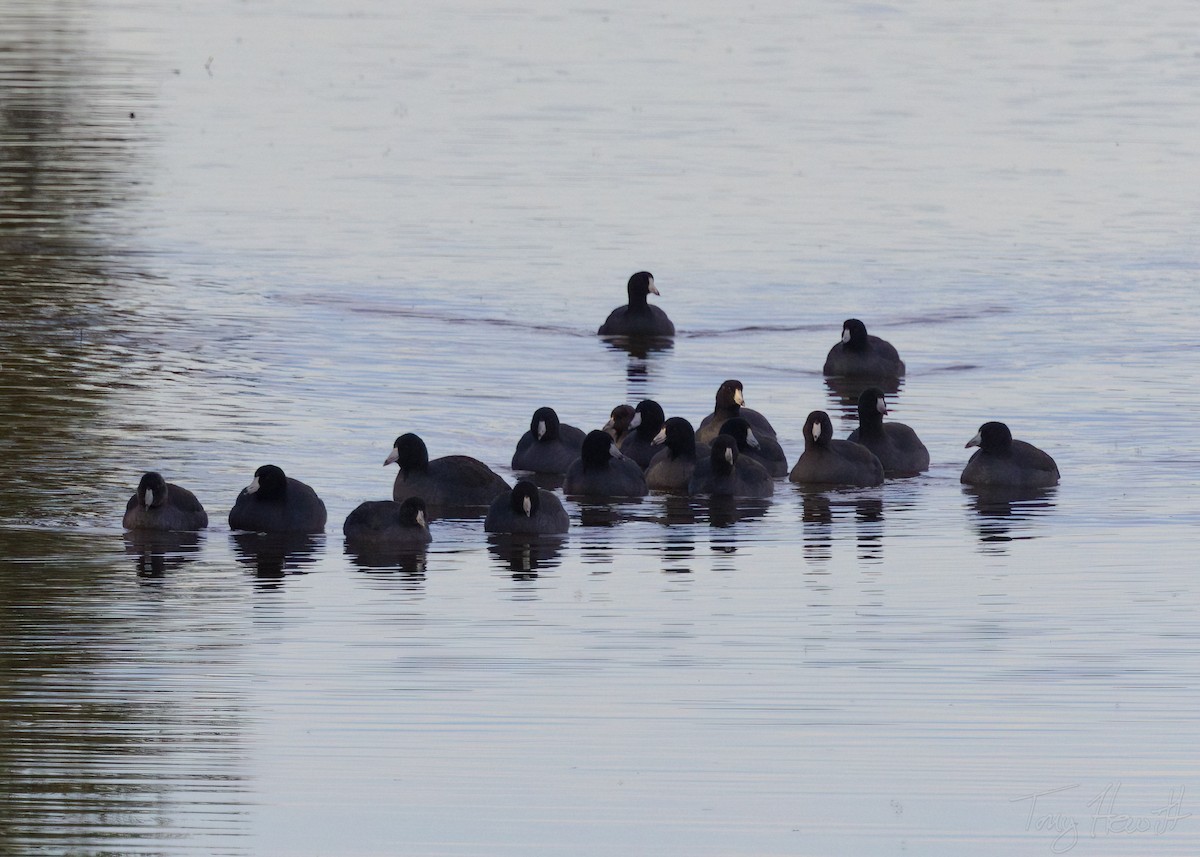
x=388, y=522
x=725, y=473
x=765, y=449
x=896, y=445
x=731, y=403
x=672, y=466
x=827, y=461
x=638, y=445
x=549, y=446
x=863, y=355
x=527, y=511
x=161, y=505
x=275, y=503
x=638, y=317
x=453, y=480
x=602, y=471
x=1001, y=460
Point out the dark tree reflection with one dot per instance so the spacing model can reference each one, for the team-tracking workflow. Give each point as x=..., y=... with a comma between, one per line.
x=95, y=753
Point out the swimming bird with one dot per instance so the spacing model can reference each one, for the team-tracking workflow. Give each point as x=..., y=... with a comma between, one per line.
x=601, y=470
x=549, y=446
x=638, y=445
x=827, y=461
x=725, y=473
x=860, y=354
x=730, y=403
x=388, y=522
x=638, y=317
x=896, y=445
x=1001, y=460
x=676, y=458
x=765, y=450
x=161, y=505
x=452, y=480
x=527, y=511
x=618, y=422
x=276, y=503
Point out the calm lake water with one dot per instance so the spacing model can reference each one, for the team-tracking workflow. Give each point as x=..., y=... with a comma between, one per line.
x=237, y=233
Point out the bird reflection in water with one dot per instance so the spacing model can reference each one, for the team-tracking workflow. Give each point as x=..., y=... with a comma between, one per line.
x=845, y=390
x=273, y=556
x=818, y=513
x=724, y=511
x=1005, y=514
x=679, y=548
x=375, y=557
x=682, y=514
x=639, y=347
x=525, y=556
x=642, y=351
x=594, y=514
x=154, y=553
x=868, y=524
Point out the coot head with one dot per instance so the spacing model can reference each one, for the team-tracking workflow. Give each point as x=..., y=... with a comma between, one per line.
x=872, y=405
x=993, y=438
x=729, y=394
x=525, y=499
x=648, y=419
x=818, y=429
x=269, y=483
x=544, y=425
x=724, y=454
x=152, y=490
x=412, y=513
x=640, y=286
x=854, y=334
x=679, y=437
x=618, y=422
x=738, y=429
x=409, y=452
x=597, y=449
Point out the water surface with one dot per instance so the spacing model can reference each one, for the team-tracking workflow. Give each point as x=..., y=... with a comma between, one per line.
x=234, y=234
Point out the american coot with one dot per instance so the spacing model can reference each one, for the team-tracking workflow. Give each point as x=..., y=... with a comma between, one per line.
x=275, y=503
x=727, y=474
x=765, y=450
x=730, y=403
x=618, y=422
x=549, y=446
x=896, y=445
x=827, y=461
x=863, y=355
x=672, y=466
x=638, y=317
x=527, y=511
x=388, y=522
x=162, y=505
x=638, y=445
x=1001, y=460
x=602, y=471
x=453, y=480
